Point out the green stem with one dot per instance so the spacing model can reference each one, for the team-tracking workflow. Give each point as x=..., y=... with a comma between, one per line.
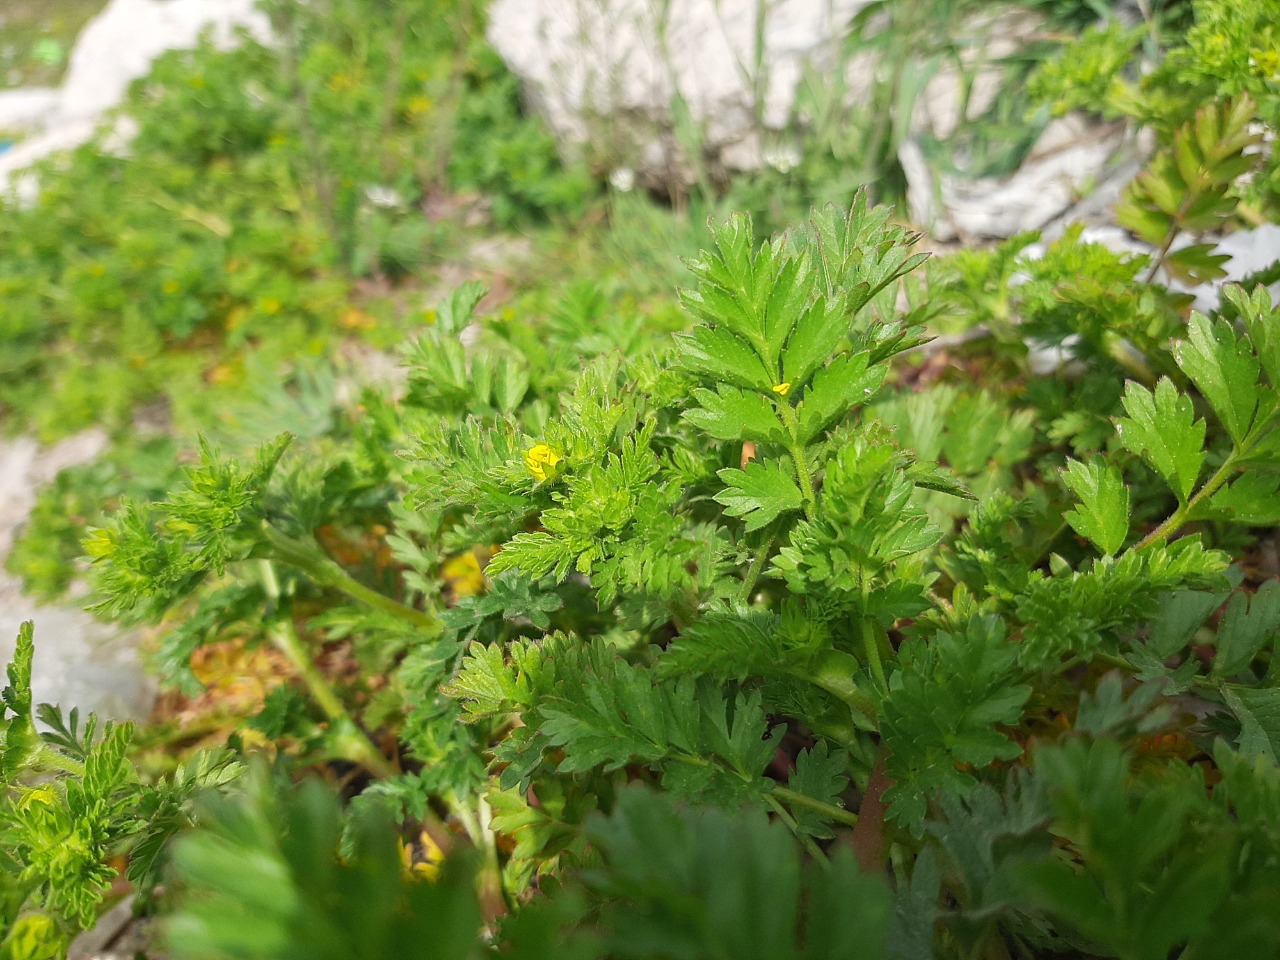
x=50, y=759
x=348, y=739
x=796, y=449
x=834, y=678
x=805, y=840
x=871, y=645
x=311, y=560
x=757, y=565
x=830, y=811
x=1179, y=516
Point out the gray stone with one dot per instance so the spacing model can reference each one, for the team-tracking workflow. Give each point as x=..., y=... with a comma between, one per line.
x=1066, y=162
x=79, y=662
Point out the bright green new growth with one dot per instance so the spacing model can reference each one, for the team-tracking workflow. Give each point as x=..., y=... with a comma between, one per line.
x=69, y=801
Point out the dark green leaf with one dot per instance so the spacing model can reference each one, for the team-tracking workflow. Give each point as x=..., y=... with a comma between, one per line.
x=1246, y=627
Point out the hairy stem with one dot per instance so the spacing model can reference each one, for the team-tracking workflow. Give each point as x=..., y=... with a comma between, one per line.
x=871, y=646
x=50, y=759
x=757, y=565
x=311, y=560
x=349, y=739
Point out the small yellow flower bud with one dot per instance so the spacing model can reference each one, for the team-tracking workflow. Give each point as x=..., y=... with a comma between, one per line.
x=782, y=389
x=541, y=462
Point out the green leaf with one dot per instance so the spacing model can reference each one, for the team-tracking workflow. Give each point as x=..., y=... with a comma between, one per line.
x=1225, y=371
x=843, y=384
x=536, y=555
x=1196, y=263
x=760, y=493
x=945, y=707
x=1247, y=625
x=1252, y=499
x=931, y=476
x=1181, y=614
x=1103, y=516
x=18, y=737
x=1162, y=429
x=707, y=883
x=818, y=331
x=1263, y=324
x=733, y=414
x=821, y=774
x=725, y=357
x=456, y=312
x=1258, y=710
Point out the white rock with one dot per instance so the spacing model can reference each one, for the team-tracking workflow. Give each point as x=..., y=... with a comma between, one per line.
x=1069, y=156
x=658, y=87
x=118, y=46
x=26, y=109
x=115, y=48
x=605, y=73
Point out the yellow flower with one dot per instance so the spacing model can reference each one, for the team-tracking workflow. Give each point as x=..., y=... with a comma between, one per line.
x=782, y=389
x=541, y=462
x=464, y=575
x=421, y=861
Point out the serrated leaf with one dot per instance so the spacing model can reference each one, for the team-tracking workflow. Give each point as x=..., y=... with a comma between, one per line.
x=725, y=357
x=820, y=774
x=836, y=389
x=456, y=312
x=1263, y=324
x=1103, y=516
x=1246, y=626
x=1258, y=710
x=759, y=494
x=730, y=413
x=1196, y=263
x=1162, y=429
x=536, y=554
x=1223, y=369
x=1252, y=499
x=818, y=331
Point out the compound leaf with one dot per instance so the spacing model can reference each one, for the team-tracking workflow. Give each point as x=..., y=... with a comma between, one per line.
x=729, y=413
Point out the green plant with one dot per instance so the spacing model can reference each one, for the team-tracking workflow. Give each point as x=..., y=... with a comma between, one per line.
x=262, y=182
x=69, y=802
x=1210, y=92
x=719, y=588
